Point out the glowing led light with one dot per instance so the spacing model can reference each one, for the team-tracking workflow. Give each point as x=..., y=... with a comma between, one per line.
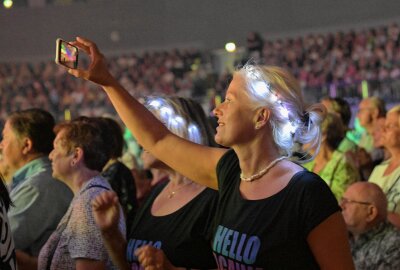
x=261, y=88
x=273, y=98
x=230, y=47
x=179, y=120
x=166, y=111
x=194, y=133
x=7, y=3
x=290, y=127
x=155, y=103
x=284, y=112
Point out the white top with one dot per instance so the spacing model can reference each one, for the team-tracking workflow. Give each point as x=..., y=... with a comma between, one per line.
x=390, y=184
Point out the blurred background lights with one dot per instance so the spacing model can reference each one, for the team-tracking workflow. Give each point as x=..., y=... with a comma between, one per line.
x=7, y=3
x=230, y=47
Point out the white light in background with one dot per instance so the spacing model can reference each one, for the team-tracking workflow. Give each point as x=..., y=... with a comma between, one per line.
x=7, y=3
x=230, y=47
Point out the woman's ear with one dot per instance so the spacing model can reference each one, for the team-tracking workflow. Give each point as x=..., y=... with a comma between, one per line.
x=27, y=145
x=77, y=156
x=262, y=115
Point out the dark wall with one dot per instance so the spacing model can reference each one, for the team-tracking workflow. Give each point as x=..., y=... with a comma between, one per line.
x=150, y=24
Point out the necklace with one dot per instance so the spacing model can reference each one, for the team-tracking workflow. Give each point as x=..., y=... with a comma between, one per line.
x=262, y=172
x=173, y=192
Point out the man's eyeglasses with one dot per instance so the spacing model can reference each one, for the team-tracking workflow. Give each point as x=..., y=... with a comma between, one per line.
x=345, y=201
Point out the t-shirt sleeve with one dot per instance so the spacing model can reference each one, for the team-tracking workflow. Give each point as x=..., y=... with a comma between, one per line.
x=227, y=169
x=318, y=201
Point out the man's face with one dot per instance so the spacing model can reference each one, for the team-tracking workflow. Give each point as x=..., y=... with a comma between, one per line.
x=364, y=114
x=12, y=148
x=354, y=210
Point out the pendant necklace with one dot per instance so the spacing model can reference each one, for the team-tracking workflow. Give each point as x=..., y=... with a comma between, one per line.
x=262, y=172
x=173, y=192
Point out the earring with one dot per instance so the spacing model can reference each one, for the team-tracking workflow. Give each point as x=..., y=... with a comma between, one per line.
x=258, y=126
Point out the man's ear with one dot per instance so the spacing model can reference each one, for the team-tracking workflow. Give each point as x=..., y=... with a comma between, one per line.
x=372, y=213
x=263, y=115
x=27, y=145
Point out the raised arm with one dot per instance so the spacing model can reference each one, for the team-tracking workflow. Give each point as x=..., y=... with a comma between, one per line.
x=192, y=160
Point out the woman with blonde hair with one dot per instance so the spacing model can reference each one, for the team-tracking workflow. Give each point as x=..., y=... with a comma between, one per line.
x=387, y=174
x=271, y=214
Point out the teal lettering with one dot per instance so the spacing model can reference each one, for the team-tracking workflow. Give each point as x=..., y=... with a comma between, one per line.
x=233, y=246
x=227, y=243
x=218, y=238
x=239, y=248
x=130, y=250
x=251, y=250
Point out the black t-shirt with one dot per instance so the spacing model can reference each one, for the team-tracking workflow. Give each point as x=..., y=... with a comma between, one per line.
x=268, y=233
x=184, y=236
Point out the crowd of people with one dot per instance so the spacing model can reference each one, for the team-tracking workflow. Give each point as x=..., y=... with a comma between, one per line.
x=278, y=184
x=341, y=59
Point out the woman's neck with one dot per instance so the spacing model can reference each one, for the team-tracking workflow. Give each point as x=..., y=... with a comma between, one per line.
x=256, y=155
x=81, y=177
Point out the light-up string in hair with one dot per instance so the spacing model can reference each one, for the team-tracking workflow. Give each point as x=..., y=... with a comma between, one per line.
x=263, y=90
x=173, y=121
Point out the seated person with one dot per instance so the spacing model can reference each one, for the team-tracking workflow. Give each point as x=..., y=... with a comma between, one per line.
x=374, y=241
x=330, y=163
x=7, y=250
x=40, y=201
x=387, y=174
x=177, y=216
x=118, y=175
x=77, y=159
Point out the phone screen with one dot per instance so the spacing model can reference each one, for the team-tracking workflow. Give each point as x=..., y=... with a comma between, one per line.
x=67, y=54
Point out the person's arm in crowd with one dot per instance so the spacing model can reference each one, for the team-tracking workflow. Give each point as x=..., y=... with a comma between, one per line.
x=22, y=216
x=25, y=261
x=192, y=160
x=86, y=264
x=151, y=258
x=394, y=218
x=106, y=214
x=329, y=244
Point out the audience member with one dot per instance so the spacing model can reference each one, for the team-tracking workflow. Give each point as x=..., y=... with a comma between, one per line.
x=295, y=219
x=39, y=200
x=369, y=111
x=378, y=139
x=374, y=241
x=387, y=174
x=118, y=175
x=77, y=160
x=329, y=163
x=8, y=260
x=177, y=216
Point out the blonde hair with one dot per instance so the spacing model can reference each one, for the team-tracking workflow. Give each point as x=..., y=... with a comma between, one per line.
x=293, y=124
x=175, y=118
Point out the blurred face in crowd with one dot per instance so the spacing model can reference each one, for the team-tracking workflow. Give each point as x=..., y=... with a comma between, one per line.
x=151, y=162
x=392, y=130
x=355, y=209
x=61, y=158
x=365, y=110
x=12, y=148
x=235, y=115
x=378, y=133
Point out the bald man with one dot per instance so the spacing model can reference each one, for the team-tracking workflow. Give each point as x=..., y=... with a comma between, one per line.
x=374, y=241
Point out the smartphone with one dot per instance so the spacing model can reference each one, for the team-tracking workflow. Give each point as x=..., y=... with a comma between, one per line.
x=66, y=54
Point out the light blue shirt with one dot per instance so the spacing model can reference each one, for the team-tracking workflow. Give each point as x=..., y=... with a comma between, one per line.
x=40, y=201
